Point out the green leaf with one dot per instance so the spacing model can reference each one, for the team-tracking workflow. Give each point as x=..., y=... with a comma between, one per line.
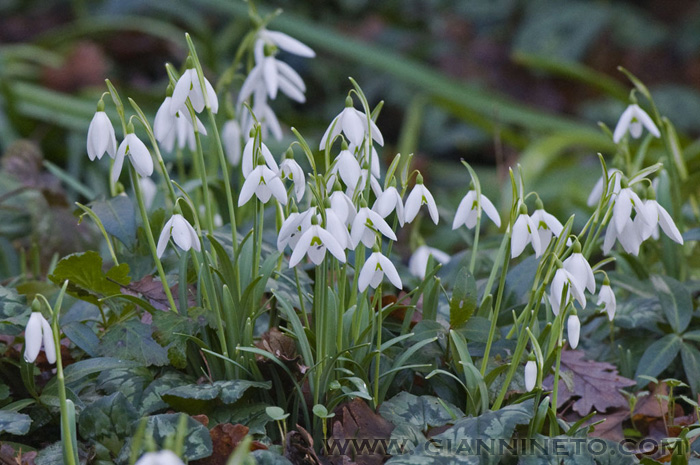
x=132, y=340
x=14, y=313
x=463, y=300
x=108, y=417
x=86, y=279
x=131, y=382
x=691, y=364
x=79, y=370
x=197, y=439
x=83, y=337
x=118, y=218
x=14, y=422
x=268, y=457
x=676, y=302
x=498, y=425
x=172, y=329
x=194, y=398
x=423, y=412
x=151, y=400
x=657, y=358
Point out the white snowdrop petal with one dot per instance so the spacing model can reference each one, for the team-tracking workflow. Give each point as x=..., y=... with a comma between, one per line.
x=32, y=337
x=47, y=337
x=623, y=124
x=668, y=226
x=290, y=44
x=164, y=238
x=181, y=92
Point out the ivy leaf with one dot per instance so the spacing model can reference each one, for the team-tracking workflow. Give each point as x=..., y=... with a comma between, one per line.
x=595, y=384
x=196, y=398
x=86, y=279
x=463, y=300
x=14, y=422
x=131, y=382
x=197, y=439
x=117, y=217
x=14, y=313
x=423, y=412
x=109, y=420
x=151, y=400
x=132, y=340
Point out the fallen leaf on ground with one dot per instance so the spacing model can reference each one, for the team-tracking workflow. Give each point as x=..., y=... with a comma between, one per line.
x=356, y=420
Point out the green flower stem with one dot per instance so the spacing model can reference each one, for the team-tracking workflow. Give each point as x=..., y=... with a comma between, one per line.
x=101, y=227
x=318, y=318
x=203, y=175
x=377, y=301
x=495, y=312
x=257, y=244
x=342, y=277
x=149, y=237
x=68, y=438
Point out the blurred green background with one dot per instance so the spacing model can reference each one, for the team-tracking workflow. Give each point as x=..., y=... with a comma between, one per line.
x=495, y=82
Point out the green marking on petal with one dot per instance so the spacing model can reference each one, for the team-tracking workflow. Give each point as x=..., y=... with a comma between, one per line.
x=316, y=241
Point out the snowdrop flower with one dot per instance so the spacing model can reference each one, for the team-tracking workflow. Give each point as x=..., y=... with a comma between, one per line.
x=606, y=297
x=614, y=176
x=138, y=154
x=625, y=200
x=347, y=168
x=419, y=260
x=632, y=120
x=168, y=127
x=564, y=280
x=524, y=233
x=164, y=457
x=420, y=196
x=573, y=329
x=387, y=202
x=362, y=158
x=248, y=160
x=547, y=225
x=337, y=228
x=269, y=124
x=188, y=87
x=352, y=123
x=264, y=183
x=101, y=138
x=231, y=138
x=658, y=216
x=291, y=229
x=366, y=225
x=630, y=237
x=285, y=42
x=148, y=191
x=274, y=75
x=343, y=207
x=530, y=375
x=182, y=232
x=580, y=269
x=374, y=270
x=468, y=210
x=290, y=169
x=37, y=333
x=314, y=243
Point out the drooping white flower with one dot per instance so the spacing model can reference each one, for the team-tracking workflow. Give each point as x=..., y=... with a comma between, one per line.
x=148, y=191
x=573, y=329
x=580, y=269
x=290, y=169
x=614, y=177
x=248, y=162
x=547, y=225
x=343, y=207
x=530, y=375
x=658, y=216
x=347, y=168
x=419, y=260
x=389, y=201
x=231, y=138
x=375, y=268
x=468, y=210
x=181, y=231
x=292, y=229
x=366, y=225
x=265, y=115
x=138, y=154
x=163, y=457
x=314, y=243
x=606, y=297
x=361, y=154
x=630, y=237
x=524, y=233
x=101, y=138
x=419, y=196
x=562, y=282
x=625, y=201
x=286, y=43
x=632, y=120
x=352, y=123
x=274, y=74
x=37, y=334
x=264, y=183
x=168, y=127
x=188, y=86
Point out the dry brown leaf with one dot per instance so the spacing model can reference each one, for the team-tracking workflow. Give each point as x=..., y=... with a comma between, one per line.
x=299, y=448
x=225, y=438
x=594, y=385
x=153, y=292
x=356, y=420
